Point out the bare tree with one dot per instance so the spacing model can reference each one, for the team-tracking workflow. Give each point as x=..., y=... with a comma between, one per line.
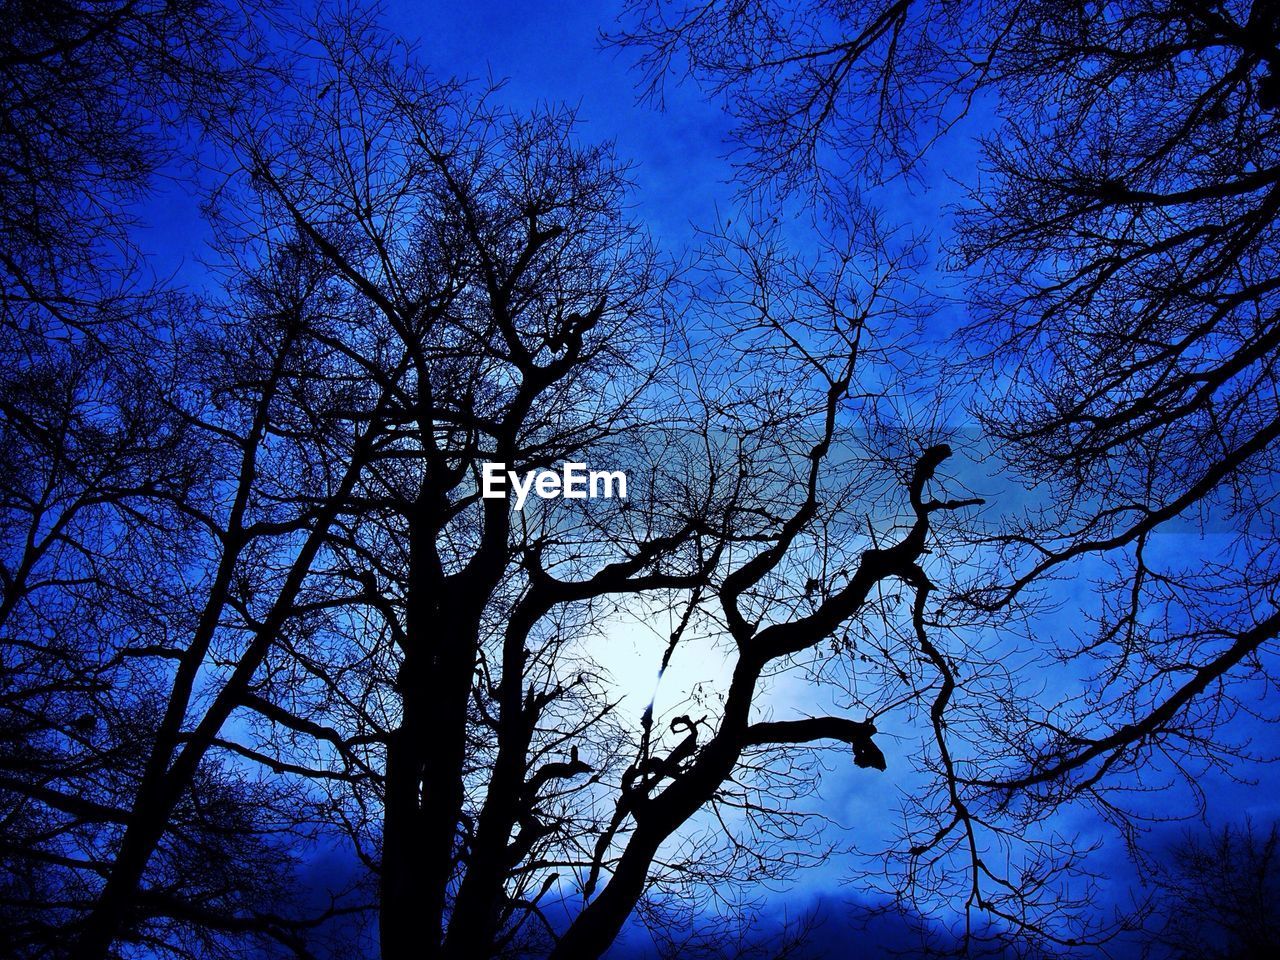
x=113, y=490
x=491, y=287
x=147, y=555
x=1216, y=895
x=1121, y=243
x=486, y=281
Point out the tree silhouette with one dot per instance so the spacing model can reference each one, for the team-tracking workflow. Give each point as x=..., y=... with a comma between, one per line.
x=123, y=409
x=1216, y=896
x=1119, y=239
x=478, y=272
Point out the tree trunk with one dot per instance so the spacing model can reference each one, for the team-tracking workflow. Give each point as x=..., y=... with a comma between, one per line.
x=111, y=911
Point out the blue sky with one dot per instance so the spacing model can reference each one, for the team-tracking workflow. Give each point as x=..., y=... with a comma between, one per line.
x=550, y=53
